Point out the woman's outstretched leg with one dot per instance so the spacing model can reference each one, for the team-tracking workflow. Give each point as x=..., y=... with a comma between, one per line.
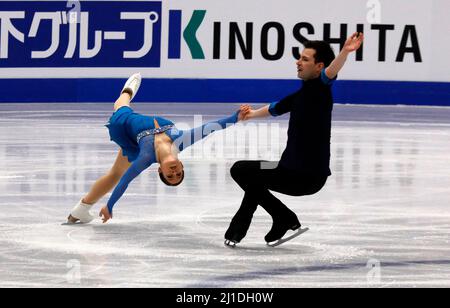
x=100, y=188
x=128, y=92
x=123, y=100
x=108, y=181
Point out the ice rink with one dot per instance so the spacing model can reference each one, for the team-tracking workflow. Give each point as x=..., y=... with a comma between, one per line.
x=382, y=220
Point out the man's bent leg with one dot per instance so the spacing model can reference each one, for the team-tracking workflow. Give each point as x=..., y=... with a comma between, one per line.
x=244, y=173
x=242, y=219
x=283, y=218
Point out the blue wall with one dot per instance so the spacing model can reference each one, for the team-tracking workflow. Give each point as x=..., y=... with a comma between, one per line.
x=219, y=90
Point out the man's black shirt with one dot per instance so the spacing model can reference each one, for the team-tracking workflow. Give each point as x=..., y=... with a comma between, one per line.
x=309, y=133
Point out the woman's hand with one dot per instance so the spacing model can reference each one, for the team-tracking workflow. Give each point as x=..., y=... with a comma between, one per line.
x=245, y=113
x=104, y=214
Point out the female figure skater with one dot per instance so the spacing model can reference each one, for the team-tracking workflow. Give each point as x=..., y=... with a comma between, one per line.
x=143, y=141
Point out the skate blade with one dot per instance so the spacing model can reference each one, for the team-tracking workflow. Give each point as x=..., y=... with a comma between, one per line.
x=230, y=244
x=284, y=240
x=68, y=223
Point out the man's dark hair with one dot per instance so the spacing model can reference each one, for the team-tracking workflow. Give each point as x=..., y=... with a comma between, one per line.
x=163, y=179
x=324, y=52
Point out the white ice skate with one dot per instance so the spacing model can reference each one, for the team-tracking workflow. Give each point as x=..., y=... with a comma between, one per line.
x=298, y=232
x=80, y=214
x=132, y=85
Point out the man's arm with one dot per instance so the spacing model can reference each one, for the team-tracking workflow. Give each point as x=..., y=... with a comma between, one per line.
x=352, y=44
x=274, y=109
x=249, y=113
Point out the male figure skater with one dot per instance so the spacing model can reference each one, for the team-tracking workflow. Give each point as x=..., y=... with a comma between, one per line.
x=143, y=140
x=305, y=164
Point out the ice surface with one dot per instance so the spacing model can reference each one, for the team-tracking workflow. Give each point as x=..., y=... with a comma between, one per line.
x=382, y=220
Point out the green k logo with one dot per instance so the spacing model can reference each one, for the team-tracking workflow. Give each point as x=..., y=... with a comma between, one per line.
x=189, y=34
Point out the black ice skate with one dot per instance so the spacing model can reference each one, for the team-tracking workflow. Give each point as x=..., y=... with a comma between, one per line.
x=236, y=232
x=280, y=228
x=298, y=232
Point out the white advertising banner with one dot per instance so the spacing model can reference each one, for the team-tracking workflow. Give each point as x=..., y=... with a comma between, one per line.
x=405, y=40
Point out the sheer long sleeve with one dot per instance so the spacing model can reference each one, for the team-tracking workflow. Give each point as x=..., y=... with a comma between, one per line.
x=186, y=138
x=144, y=160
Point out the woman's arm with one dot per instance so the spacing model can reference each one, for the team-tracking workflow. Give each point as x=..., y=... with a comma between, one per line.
x=187, y=138
x=145, y=159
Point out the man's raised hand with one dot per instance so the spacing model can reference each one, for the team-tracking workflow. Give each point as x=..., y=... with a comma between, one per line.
x=354, y=42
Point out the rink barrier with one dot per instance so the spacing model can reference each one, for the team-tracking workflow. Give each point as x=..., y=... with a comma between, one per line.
x=220, y=90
